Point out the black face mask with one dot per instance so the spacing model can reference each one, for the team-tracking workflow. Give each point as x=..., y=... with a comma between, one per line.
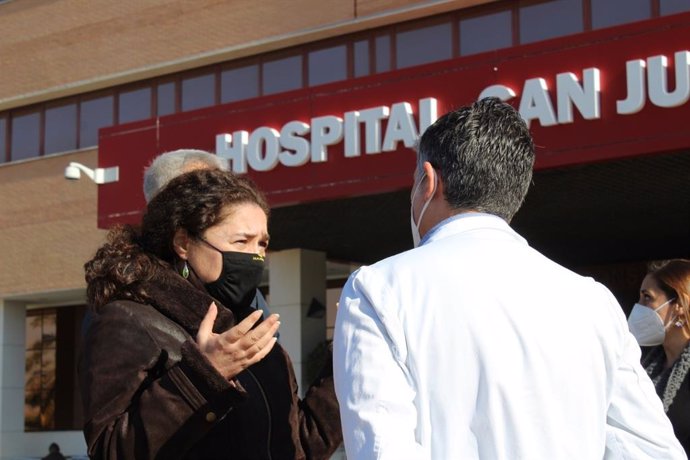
x=241, y=274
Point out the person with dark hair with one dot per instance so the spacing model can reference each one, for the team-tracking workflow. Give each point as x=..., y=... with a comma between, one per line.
x=661, y=321
x=54, y=452
x=176, y=362
x=473, y=345
x=169, y=165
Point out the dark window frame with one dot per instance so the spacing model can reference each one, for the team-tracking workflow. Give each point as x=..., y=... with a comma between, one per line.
x=239, y=64
x=279, y=55
x=326, y=44
x=5, y=116
x=431, y=21
x=213, y=71
x=177, y=94
x=58, y=103
x=151, y=85
x=83, y=98
x=40, y=110
x=487, y=10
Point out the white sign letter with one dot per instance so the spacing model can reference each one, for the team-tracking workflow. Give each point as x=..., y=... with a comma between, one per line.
x=258, y=160
x=635, y=82
x=233, y=148
x=372, y=125
x=657, y=84
x=296, y=151
x=535, y=103
x=401, y=127
x=351, y=130
x=428, y=113
x=585, y=98
x=324, y=131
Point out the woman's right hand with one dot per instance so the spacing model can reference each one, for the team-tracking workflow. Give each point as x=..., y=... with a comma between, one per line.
x=239, y=347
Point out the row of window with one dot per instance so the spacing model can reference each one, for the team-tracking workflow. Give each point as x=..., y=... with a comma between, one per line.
x=73, y=123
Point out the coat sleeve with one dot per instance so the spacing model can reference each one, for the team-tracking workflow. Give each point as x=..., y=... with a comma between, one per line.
x=136, y=404
x=636, y=425
x=317, y=413
x=373, y=385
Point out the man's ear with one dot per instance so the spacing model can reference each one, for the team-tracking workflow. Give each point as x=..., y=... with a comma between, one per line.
x=181, y=243
x=432, y=182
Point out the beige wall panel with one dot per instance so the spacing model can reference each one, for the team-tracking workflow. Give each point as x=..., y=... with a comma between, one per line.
x=47, y=225
x=53, y=43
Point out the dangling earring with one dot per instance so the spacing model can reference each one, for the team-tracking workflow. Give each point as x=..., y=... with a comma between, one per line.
x=185, y=270
x=680, y=321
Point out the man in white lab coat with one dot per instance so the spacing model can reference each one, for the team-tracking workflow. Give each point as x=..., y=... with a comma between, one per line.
x=474, y=345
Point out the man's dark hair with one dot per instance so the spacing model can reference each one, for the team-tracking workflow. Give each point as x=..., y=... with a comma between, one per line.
x=484, y=155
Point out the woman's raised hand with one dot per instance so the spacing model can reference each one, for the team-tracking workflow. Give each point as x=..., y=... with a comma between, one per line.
x=239, y=347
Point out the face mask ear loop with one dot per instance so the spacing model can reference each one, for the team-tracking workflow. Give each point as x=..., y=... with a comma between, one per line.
x=664, y=304
x=676, y=321
x=427, y=202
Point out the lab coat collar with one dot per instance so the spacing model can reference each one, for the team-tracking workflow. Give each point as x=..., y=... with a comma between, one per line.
x=465, y=222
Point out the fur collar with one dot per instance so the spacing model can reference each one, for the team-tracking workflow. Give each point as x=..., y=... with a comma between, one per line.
x=185, y=301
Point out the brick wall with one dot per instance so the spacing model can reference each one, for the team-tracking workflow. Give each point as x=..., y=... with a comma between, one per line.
x=47, y=225
x=57, y=48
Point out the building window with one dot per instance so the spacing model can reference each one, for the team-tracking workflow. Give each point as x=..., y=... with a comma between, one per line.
x=239, y=83
x=282, y=74
x=198, y=92
x=26, y=135
x=473, y=36
x=361, y=58
x=3, y=139
x=134, y=105
x=61, y=128
x=328, y=65
x=51, y=400
x=545, y=20
x=673, y=6
x=96, y=113
x=423, y=45
x=607, y=13
x=39, y=387
x=383, y=53
x=165, y=98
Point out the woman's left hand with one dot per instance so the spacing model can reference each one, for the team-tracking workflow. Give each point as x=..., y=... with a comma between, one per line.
x=236, y=349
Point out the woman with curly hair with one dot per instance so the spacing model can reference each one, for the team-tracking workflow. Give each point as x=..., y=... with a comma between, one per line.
x=661, y=320
x=176, y=362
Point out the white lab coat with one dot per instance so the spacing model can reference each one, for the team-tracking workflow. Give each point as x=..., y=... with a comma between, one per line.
x=476, y=346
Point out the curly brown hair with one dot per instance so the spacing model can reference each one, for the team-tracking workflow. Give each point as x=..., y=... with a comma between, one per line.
x=194, y=201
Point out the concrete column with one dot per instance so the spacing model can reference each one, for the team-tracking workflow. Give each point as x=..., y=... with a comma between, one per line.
x=12, y=350
x=297, y=279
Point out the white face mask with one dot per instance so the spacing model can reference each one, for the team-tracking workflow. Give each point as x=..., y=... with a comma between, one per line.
x=414, y=227
x=647, y=326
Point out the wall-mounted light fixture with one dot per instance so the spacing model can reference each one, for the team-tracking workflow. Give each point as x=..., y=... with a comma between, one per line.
x=99, y=175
